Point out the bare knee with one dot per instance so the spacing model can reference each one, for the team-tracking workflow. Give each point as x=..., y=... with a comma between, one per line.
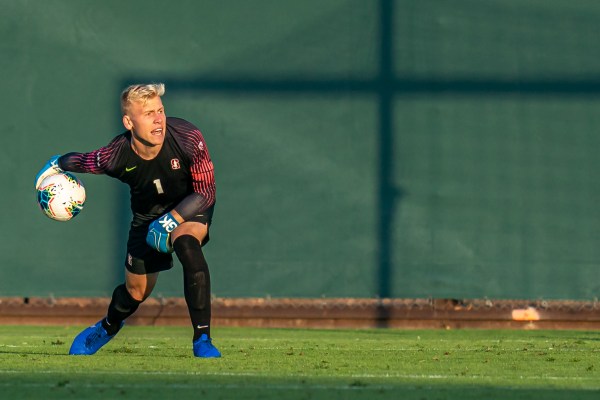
x=140, y=286
x=137, y=293
x=195, y=229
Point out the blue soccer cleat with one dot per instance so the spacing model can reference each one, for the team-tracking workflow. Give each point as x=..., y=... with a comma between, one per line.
x=203, y=347
x=90, y=340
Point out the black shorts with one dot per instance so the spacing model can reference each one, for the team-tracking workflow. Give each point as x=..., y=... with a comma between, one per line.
x=142, y=259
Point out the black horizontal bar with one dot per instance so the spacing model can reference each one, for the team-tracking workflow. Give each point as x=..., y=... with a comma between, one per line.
x=401, y=86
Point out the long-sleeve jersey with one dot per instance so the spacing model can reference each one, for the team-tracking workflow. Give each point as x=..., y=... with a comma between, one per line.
x=183, y=167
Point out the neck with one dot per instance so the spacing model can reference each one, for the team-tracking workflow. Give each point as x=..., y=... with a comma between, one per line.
x=146, y=151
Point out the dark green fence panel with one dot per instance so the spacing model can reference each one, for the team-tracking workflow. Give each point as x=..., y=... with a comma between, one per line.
x=363, y=148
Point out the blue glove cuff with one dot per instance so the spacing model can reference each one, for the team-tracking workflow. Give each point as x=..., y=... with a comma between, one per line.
x=167, y=222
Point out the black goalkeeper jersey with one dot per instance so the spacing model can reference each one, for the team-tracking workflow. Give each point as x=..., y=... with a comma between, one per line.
x=182, y=167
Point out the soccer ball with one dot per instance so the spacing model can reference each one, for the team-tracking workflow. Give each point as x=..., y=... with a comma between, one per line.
x=61, y=196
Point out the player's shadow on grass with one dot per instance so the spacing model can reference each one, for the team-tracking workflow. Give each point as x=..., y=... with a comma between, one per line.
x=384, y=90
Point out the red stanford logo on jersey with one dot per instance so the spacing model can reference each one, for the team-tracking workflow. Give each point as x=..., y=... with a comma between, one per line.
x=175, y=164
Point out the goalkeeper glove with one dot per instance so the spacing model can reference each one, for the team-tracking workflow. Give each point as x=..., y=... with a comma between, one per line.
x=51, y=168
x=159, y=233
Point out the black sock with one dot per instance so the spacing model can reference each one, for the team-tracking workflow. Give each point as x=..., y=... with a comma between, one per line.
x=196, y=283
x=122, y=305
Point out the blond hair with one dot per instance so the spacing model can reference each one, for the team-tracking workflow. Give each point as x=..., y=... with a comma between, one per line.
x=140, y=93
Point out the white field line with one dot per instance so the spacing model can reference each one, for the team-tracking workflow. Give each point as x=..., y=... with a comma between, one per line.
x=363, y=350
x=536, y=378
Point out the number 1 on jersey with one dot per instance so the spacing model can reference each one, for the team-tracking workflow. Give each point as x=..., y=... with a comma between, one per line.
x=158, y=185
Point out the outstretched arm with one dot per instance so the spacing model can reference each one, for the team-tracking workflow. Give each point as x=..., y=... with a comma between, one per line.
x=94, y=162
x=72, y=162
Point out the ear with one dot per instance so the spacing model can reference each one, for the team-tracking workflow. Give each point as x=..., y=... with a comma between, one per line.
x=127, y=122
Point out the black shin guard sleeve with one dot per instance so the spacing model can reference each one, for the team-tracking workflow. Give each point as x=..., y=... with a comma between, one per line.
x=121, y=306
x=196, y=281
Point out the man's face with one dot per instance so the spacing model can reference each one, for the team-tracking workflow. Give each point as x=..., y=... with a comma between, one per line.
x=147, y=121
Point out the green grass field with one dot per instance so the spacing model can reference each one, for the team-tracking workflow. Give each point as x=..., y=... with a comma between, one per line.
x=157, y=363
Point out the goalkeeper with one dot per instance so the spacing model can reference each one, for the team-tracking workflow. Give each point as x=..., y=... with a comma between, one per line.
x=167, y=166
